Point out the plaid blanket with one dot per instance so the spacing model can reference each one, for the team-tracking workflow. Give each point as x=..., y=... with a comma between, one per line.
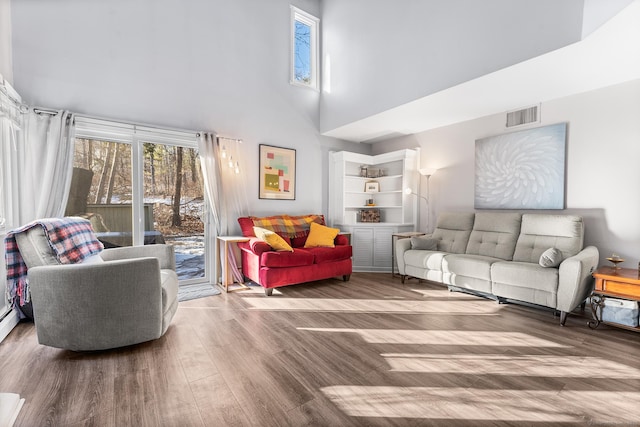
x=291, y=226
x=71, y=239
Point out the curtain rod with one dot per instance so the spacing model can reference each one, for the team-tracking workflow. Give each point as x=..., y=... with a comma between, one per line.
x=38, y=110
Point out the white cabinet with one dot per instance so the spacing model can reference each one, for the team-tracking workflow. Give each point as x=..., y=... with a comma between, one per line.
x=380, y=189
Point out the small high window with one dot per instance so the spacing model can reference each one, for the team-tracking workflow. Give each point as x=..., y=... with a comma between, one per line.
x=304, y=48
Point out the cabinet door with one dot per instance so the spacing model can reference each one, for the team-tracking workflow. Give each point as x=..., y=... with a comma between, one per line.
x=362, y=247
x=382, y=247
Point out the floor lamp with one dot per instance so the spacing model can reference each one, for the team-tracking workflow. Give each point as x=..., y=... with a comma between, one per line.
x=424, y=172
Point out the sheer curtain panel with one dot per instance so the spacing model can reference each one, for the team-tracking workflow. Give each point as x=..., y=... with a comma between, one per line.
x=45, y=159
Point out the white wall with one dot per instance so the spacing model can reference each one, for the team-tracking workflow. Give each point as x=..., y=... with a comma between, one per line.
x=385, y=54
x=203, y=65
x=602, y=176
x=6, y=66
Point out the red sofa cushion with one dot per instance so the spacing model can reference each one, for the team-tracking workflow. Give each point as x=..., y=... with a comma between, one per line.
x=323, y=255
x=297, y=258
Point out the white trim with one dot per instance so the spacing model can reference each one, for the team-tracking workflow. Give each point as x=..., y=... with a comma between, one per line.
x=314, y=24
x=8, y=323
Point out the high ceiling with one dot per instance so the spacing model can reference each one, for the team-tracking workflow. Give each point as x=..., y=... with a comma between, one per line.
x=607, y=56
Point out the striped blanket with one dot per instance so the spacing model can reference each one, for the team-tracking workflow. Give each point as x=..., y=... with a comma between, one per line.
x=71, y=240
x=286, y=225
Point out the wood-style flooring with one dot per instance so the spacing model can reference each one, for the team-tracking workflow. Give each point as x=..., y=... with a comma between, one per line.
x=370, y=351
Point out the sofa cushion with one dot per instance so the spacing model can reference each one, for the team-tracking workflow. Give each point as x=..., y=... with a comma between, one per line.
x=477, y=266
x=525, y=281
x=552, y=257
x=322, y=255
x=273, y=239
x=494, y=234
x=297, y=258
x=540, y=232
x=452, y=231
x=424, y=243
x=431, y=260
x=321, y=236
x=246, y=226
x=525, y=275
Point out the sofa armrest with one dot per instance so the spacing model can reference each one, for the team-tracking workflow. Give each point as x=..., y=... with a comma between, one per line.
x=256, y=246
x=165, y=253
x=341, y=240
x=575, y=282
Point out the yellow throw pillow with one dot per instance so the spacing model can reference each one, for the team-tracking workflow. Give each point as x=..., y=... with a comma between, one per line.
x=320, y=235
x=272, y=239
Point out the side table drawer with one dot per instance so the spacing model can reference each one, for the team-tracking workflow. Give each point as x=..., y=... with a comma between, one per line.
x=618, y=287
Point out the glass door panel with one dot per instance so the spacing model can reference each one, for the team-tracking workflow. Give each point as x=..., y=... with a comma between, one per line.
x=101, y=189
x=174, y=205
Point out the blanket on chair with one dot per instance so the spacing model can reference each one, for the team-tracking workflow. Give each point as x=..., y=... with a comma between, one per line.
x=71, y=239
x=287, y=225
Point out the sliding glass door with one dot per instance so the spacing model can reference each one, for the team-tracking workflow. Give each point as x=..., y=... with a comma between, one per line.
x=142, y=186
x=173, y=193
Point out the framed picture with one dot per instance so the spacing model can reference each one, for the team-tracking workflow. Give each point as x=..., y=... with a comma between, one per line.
x=522, y=170
x=372, y=186
x=277, y=173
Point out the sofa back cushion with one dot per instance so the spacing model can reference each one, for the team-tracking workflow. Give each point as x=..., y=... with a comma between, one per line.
x=452, y=231
x=494, y=234
x=295, y=228
x=540, y=232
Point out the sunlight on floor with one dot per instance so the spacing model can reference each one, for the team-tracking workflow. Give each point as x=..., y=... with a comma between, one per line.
x=527, y=365
x=371, y=305
x=439, y=337
x=486, y=404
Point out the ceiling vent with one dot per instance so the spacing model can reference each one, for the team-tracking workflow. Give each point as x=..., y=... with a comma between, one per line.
x=523, y=117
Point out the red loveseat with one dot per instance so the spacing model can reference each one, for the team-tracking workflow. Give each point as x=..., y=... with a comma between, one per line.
x=272, y=269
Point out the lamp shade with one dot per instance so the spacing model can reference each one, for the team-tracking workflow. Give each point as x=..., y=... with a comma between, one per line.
x=427, y=171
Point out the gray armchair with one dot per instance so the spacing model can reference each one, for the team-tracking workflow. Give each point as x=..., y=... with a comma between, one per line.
x=127, y=296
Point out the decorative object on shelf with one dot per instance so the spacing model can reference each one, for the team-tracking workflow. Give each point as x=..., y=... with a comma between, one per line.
x=277, y=173
x=615, y=260
x=522, y=170
x=370, y=202
x=372, y=187
x=364, y=171
x=369, y=215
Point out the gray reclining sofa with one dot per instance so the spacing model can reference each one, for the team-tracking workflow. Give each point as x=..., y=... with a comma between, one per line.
x=533, y=258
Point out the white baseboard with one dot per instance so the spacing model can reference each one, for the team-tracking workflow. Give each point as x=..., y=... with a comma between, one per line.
x=8, y=323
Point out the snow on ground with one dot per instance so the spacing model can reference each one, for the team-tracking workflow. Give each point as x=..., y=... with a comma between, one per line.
x=189, y=252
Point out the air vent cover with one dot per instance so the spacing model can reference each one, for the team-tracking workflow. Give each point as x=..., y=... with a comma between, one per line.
x=523, y=117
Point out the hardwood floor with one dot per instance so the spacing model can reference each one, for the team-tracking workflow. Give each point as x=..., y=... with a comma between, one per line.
x=367, y=352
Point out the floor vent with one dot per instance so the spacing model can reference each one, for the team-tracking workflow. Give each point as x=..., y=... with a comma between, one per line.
x=523, y=117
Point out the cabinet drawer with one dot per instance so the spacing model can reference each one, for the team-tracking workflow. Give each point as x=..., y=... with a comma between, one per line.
x=618, y=288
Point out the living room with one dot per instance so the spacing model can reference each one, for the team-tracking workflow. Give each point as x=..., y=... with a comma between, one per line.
x=224, y=66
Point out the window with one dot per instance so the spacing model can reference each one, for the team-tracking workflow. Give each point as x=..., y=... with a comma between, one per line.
x=140, y=185
x=304, y=48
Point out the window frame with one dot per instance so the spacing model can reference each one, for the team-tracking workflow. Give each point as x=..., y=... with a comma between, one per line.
x=298, y=15
x=135, y=136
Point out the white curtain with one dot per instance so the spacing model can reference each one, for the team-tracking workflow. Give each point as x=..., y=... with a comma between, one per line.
x=223, y=166
x=11, y=115
x=45, y=164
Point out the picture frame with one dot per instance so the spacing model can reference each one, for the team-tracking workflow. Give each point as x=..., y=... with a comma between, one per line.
x=539, y=154
x=372, y=187
x=277, y=173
